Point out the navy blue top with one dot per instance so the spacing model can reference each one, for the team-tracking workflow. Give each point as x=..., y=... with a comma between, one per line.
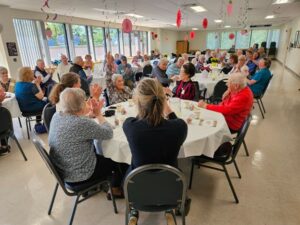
x=252, y=67
x=25, y=94
x=262, y=77
x=159, y=144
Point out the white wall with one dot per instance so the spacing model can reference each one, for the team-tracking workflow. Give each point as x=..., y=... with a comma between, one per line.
x=166, y=41
x=293, y=54
x=198, y=43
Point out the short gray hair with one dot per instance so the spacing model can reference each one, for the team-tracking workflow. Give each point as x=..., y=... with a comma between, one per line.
x=77, y=59
x=39, y=60
x=3, y=69
x=115, y=77
x=238, y=78
x=163, y=60
x=180, y=59
x=72, y=100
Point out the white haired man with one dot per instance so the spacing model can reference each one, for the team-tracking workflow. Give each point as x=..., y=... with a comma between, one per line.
x=64, y=66
x=159, y=72
x=237, y=102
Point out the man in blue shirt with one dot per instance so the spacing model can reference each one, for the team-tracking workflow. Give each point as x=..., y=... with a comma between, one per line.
x=260, y=79
x=250, y=63
x=174, y=69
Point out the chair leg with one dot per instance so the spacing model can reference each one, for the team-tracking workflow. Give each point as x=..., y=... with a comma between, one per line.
x=261, y=111
x=230, y=184
x=191, y=175
x=19, y=146
x=245, y=147
x=126, y=215
x=29, y=123
x=53, y=198
x=183, y=214
x=27, y=128
x=74, y=210
x=113, y=200
x=262, y=104
x=20, y=122
x=237, y=169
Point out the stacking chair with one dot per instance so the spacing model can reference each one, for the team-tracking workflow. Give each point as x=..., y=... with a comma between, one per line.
x=80, y=192
x=47, y=115
x=155, y=188
x=219, y=90
x=199, y=94
x=7, y=129
x=225, y=155
x=105, y=95
x=29, y=117
x=147, y=71
x=258, y=98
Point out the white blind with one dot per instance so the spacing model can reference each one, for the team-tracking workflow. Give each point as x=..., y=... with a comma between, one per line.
x=28, y=42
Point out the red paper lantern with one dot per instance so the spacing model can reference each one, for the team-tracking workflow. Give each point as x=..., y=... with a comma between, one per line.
x=178, y=18
x=192, y=35
x=126, y=26
x=231, y=36
x=155, y=36
x=205, y=23
x=48, y=33
x=229, y=8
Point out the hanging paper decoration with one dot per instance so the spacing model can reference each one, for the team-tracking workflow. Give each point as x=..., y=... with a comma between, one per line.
x=46, y=4
x=55, y=16
x=229, y=8
x=126, y=26
x=47, y=17
x=205, y=23
x=48, y=33
x=166, y=38
x=155, y=36
x=178, y=18
x=231, y=36
x=192, y=35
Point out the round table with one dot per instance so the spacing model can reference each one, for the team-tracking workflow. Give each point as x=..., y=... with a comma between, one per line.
x=203, y=137
x=12, y=105
x=207, y=81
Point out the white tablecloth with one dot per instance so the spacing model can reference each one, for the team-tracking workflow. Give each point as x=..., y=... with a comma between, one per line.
x=12, y=105
x=201, y=139
x=207, y=82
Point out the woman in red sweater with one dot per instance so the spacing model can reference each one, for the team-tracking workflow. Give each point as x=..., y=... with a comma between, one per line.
x=237, y=102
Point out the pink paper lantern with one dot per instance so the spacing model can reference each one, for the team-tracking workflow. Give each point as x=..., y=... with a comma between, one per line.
x=205, y=23
x=126, y=26
x=231, y=36
x=178, y=18
x=192, y=35
x=229, y=8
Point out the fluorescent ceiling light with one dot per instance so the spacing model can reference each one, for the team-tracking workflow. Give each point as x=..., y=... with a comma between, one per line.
x=227, y=26
x=218, y=21
x=277, y=2
x=134, y=15
x=198, y=8
x=174, y=24
x=270, y=17
x=195, y=28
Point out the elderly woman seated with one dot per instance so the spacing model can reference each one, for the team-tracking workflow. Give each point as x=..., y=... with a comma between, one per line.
x=71, y=139
x=174, y=69
x=237, y=102
x=126, y=70
x=185, y=88
x=6, y=83
x=29, y=93
x=117, y=91
x=159, y=72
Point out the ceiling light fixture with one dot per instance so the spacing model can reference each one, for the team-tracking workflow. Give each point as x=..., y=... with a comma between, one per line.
x=218, y=21
x=198, y=8
x=270, y=17
x=134, y=15
x=227, y=26
x=277, y=2
x=195, y=28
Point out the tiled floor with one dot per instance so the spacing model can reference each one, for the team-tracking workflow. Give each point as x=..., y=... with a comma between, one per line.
x=269, y=190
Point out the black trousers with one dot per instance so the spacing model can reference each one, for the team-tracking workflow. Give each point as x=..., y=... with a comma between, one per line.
x=4, y=142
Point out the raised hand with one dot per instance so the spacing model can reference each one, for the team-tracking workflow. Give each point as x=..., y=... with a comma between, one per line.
x=96, y=91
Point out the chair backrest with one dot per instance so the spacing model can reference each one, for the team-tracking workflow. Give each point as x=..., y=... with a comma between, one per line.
x=273, y=44
x=263, y=44
x=219, y=90
x=197, y=91
x=155, y=187
x=240, y=136
x=6, y=123
x=266, y=86
x=45, y=156
x=47, y=115
x=105, y=95
x=147, y=70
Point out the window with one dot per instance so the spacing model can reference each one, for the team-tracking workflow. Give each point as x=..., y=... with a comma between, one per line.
x=226, y=42
x=273, y=36
x=113, y=40
x=80, y=40
x=135, y=42
x=56, y=39
x=144, y=42
x=242, y=41
x=212, y=40
x=98, y=38
x=258, y=36
x=126, y=43
x=27, y=37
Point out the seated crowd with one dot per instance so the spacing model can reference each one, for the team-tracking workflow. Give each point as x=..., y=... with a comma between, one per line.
x=78, y=120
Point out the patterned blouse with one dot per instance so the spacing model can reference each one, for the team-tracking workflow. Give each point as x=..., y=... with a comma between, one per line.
x=116, y=96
